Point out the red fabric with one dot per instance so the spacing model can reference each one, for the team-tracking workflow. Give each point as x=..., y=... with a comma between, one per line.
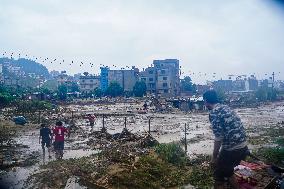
x=59, y=133
x=254, y=166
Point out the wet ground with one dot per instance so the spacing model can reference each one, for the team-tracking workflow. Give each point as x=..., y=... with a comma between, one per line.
x=165, y=127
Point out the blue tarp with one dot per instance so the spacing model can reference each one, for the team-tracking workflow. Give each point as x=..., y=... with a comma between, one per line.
x=20, y=120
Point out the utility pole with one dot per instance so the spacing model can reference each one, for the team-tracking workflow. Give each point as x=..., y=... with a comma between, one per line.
x=273, y=74
x=72, y=115
x=125, y=122
x=149, y=125
x=39, y=116
x=185, y=141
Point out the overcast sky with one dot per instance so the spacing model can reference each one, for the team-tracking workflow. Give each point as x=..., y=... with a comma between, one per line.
x=222, y=36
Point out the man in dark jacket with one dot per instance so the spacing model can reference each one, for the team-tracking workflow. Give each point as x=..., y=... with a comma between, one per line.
x=230, y=145
x=45, y=138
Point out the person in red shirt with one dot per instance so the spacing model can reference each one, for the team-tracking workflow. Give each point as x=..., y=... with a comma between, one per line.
x=91, y=119
x=59, y=131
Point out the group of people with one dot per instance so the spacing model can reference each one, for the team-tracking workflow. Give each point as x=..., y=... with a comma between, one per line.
x=230, y=145
x=55, y=136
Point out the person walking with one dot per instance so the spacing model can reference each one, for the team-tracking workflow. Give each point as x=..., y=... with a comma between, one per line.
x=58, y=132
x=230, y=145
x=45, y=138
x=91, y=119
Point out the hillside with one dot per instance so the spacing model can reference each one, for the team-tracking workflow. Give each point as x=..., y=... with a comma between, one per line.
x=28, y=66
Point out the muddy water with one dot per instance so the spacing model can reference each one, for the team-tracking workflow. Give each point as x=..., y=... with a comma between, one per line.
x=165, y=128
x=17, y=176
x=169, y=127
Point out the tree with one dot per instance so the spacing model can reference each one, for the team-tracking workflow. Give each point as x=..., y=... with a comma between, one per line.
x=50, y=84
x=62, y=92
x=221, y=95
x=5, y=96
x=114, y=89
x=139, y=89
x=98, y=92
x=264, y=94
x=187, y=85
x=74, y=87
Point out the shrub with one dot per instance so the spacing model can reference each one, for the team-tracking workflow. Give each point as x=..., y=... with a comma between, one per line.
x=172, y=153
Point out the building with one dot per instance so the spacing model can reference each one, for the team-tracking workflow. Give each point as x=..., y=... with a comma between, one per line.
x=89, y=83
x=104, y=78
x=253, y=83
x=54, y=74
x=224, y=85
x=149, y=77
x=1, y=74
x=240, y=85
x=62, y=78
x=125, y=78
x=201, y=89
x=163, y=78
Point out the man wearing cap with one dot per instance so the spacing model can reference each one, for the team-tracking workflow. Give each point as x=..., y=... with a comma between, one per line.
x=230, y=145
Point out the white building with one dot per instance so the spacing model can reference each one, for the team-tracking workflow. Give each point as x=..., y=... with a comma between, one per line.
x=89, y=83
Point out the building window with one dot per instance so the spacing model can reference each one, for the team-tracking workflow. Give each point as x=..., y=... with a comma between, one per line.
x=166, y=91
x=163, y=71
x=91, y=81
x=165, y=78
x=83, y=81
x=151, y=79
x=165, y=84
x=151, y=72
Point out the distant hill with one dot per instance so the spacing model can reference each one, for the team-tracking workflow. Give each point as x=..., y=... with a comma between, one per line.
x=28, y=66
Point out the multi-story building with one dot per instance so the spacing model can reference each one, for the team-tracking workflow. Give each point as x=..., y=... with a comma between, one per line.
x=89, y=83
x=54, y=74
x=224, y=85
x=149, y=76
x=240, y=85
x=253, y=83
x=1, y=74
x=125, y=78
x=163, y=79
x=62, y=78
x=104, y=78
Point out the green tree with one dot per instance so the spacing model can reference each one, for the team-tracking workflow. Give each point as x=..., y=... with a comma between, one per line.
x=62, y=92
x=265, y=93
x=6, y=96
x=50, y=84
x=139, y=89
x=98, y=92
x=221, y=95
x=74, y=87
x=187, y=85
x=114, y=89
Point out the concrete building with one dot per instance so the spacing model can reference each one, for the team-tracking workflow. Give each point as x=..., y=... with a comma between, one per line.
x=149, y=76
x=125, y=78
x=253, y=83
x=89, y=83
x=241, y=85
x=104, y=78
x=224, y=85
x=62, y=78
x=54, y=74
x=1, y=74
x=163, y=78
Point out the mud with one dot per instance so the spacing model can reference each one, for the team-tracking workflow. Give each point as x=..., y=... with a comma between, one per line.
x=264, y=125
